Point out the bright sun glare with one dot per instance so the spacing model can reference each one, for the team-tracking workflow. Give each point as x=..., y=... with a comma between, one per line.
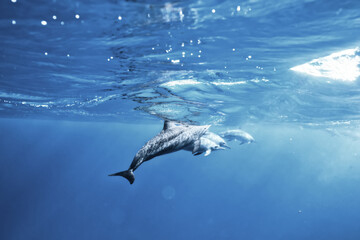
x=343, y=65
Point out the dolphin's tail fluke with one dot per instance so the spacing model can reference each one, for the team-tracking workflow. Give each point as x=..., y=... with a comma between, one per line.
x=128, y=174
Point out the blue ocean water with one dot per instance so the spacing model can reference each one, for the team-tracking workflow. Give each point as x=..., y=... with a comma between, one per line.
x=84, y=84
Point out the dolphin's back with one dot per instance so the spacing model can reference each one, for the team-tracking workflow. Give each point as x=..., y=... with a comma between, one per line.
x=171, y=140
x=164, y=142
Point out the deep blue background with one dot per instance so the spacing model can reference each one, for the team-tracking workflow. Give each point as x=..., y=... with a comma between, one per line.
x=54, y=185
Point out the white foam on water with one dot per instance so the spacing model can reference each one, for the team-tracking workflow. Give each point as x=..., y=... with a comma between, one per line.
x=194, y=82
x=180, y=83
x=228, y=83
x=343, y=65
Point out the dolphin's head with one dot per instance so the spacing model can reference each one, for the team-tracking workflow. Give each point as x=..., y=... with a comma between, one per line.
x=224, y=145
x=209, y=144
x=217, y=139
x=248, y=138
x=217, y=147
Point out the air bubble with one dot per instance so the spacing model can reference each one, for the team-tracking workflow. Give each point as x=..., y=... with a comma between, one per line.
x=168, y=192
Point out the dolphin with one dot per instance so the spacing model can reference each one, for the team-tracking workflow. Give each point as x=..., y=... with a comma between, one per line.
x=237, y=135
x=209, y=142
x=215, y=138
x=207, y=146
x=173, y=137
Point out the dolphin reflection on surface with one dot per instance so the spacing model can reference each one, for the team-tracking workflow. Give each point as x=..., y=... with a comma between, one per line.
x=175, y=136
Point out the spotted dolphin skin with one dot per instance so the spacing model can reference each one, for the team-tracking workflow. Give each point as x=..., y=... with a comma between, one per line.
x=172, y=138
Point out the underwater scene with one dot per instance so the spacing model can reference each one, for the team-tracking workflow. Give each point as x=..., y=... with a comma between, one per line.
x=194, y=119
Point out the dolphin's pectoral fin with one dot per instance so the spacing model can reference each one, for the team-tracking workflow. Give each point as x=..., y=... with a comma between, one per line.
x=198, y=153
x=197, y=144
x=128, y=174
x=207, y=153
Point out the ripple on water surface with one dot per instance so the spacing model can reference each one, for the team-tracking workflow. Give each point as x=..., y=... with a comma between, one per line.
x=218, y=62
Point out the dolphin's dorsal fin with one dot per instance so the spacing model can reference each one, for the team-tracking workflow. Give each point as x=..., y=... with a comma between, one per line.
x=168, y=124
x=197, y=144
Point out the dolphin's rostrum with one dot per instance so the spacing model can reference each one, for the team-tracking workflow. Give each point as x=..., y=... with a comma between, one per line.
x=174, y=137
